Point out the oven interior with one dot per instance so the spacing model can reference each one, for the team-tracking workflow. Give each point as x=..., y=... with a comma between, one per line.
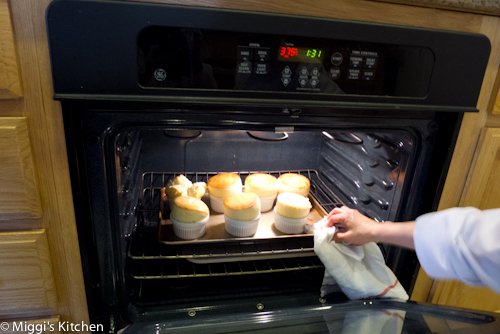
x=369, y=168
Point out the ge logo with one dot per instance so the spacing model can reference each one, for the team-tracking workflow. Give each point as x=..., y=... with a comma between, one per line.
x=160, y=74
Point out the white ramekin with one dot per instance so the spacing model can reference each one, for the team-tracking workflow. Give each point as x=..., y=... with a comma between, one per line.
x=266, y=203
x=217, y=204
x=241, y=228
x=289, y=225
x=189, y=231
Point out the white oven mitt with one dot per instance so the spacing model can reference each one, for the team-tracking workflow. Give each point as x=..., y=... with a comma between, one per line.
x=359, y=271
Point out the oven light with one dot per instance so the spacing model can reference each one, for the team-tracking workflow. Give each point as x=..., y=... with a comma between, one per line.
x=326, y=134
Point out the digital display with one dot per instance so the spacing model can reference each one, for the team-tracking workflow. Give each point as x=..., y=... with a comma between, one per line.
x=300, y=54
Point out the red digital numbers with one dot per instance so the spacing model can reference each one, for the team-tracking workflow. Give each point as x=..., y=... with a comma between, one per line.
x=288, y=52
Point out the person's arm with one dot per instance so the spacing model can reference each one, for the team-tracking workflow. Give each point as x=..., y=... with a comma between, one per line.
x=458, y=243
x=357, y=229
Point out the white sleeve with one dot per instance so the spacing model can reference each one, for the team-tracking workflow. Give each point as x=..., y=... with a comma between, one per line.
x=460, y=243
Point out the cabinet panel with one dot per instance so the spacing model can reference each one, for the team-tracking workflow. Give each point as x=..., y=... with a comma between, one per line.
x=10, y=84
x=26, y=281
x=496, y=104
x=481, y=191
x=19, y=197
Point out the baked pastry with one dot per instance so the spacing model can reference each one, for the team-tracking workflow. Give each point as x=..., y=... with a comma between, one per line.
x=189, y=216
x=293, y=205
x=197, y=190
x=290, y=213
x=295, y=183
x=175, y=191
x=176, y=187
x=242, y=214
x=222, y=185
x=265, y=186
x=243, y=206
x=180, y=180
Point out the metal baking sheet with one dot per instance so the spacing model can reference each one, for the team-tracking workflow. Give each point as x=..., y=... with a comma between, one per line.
x=216, y=232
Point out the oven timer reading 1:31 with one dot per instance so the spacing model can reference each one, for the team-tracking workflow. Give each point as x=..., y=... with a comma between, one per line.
x=300, y=54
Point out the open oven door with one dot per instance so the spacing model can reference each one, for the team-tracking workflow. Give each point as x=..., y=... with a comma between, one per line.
x=361, y=316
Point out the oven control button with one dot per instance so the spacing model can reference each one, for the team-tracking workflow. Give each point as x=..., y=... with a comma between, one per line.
x=368, y=75
x=370, y=62
x=262, y=54
x=286, y=71
x=261, y=68
x=354, y=74
x=314, y=77
x=245, y=54
x=302, y=82
x=336, y=58
x=303, y=71
x=286, y=76
x=245, y=67
x=355, y=61
x=335, y=73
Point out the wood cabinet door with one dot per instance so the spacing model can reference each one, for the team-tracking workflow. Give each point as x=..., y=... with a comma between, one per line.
x=10, y=83
x=19, y=197
x=482, y=191
x=26, y=279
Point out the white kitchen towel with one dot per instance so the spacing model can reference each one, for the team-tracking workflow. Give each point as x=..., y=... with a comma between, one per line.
x=359, y=271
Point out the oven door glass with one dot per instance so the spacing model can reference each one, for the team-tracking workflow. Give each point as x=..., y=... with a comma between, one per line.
x=375, y=317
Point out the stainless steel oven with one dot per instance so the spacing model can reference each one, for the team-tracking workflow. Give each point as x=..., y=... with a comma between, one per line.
x=368, y=113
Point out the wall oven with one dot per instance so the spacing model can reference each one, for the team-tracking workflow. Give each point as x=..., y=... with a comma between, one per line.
x=368, y=113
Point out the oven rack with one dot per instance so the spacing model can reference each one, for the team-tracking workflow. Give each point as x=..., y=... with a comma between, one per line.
x=152, y=182
x=185, y=269
x=144, y=244
x=142, y=248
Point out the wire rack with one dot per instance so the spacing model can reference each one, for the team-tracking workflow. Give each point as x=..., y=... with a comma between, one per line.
x=185, y=269
x=153, y=260
x=152, y=182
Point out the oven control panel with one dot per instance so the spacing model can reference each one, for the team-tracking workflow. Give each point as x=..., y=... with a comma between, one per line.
x=307, y=69
x=215, y=60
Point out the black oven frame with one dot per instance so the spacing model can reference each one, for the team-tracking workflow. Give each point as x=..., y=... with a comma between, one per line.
x=89, y=134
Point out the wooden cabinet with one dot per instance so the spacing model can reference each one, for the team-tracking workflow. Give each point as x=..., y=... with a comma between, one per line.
x=496, y=105
x=19, y=196
x=482, y=191
x=10, y=83
x=40, y=268
x=483, y=187
x=26, y=280
x=27, y=283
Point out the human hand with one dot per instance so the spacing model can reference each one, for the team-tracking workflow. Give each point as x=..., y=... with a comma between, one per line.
x=352, y=227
